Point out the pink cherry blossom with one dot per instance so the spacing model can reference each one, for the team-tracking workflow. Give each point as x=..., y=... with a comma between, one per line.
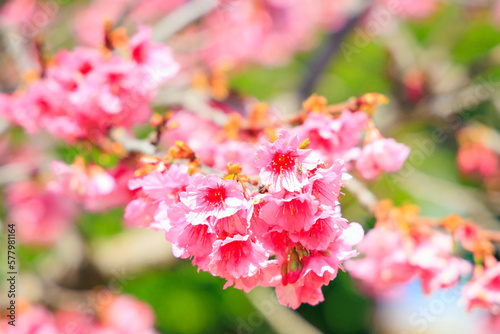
x=292, y=240
x=35, y=319
x=197, y=132
x=213, y=198
x=280, y=163
x=122, y=314
x=42, y=215
x=332, y=137
x=383, y=154
x=291, y=212
x=154, y=58
x=86, y=92
x=491, y=325
x=326, y=183
x=152, y=189
x=90, y=22
x=392, y=258
x=93, y=187
x=231, y=151
x=125, y=314
x=318, y=269
x=437, y=268
x=232, y=225
x=478, y=159
x=29, y=16
x=188, y=238
x=326, y=227
x=237, y=256
x=484, y=288
x=276, y=28
x=385, y=263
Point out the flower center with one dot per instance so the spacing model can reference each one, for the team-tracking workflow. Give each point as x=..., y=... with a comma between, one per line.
x=282, y=162
x=216, y=196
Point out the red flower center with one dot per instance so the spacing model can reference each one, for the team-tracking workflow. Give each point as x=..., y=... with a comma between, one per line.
x=283, y=162
x=216, y=196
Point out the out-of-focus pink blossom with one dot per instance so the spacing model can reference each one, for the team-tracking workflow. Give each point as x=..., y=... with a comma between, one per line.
x=437, y=267
x=484, y=289
x=41, y=214
x=383, y=154
x=127, y=315
x=276, y=28
x=393, y=256
x=34, y=319
x=122, y=314
x=197, y=132
x=87, y=92
x=478, y=159
x=231, y=151
x=491, y=324
x=90, y=22
x=93, y=187
x=386, y=262
x=30, y=17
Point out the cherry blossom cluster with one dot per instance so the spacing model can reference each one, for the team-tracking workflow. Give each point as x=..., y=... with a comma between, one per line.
x=287, y=233
x=404, y=246
x=114, y=314
x=46, y=206
x=92, y=187
x=84, y=93
x=44, y=212
x=401, y=247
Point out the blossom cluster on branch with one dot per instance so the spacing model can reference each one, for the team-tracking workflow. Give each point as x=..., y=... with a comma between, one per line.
x=83, y=93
